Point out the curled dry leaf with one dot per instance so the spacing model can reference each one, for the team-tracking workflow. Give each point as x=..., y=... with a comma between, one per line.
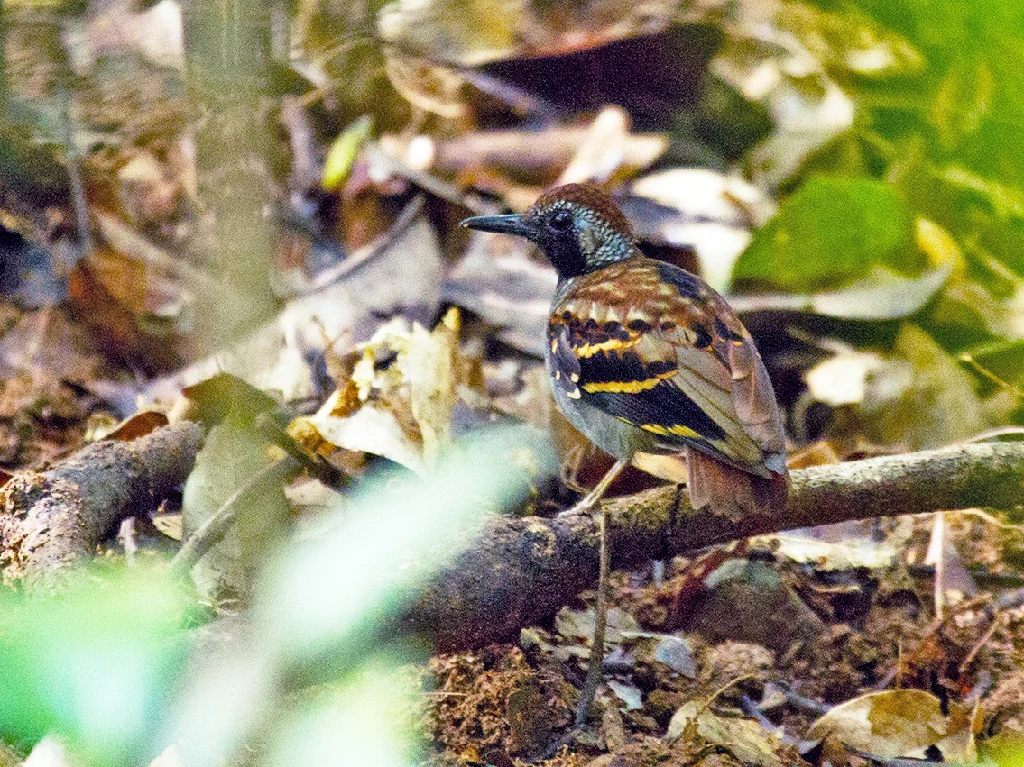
x=400, y=410
x=133, y=427
x=601, y=152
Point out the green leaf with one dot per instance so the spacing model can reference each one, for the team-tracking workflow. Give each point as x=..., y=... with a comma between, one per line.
x=370, y=721
x=963, y=99
x=830, y=230
x=94, y=666
x=922, y=398
x=232, y=456
x=390, y=540
x=343, y=153
x=1005, y=200
x=1001, y=362
x=334, y=596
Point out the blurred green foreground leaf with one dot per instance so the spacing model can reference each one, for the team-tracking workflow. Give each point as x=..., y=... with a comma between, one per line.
x=94, y=665
x=102, y=666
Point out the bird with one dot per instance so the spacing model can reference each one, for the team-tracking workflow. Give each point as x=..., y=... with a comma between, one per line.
x=649, y=362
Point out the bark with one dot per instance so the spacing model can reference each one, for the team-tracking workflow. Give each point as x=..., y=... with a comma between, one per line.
x=52, y=520
x=520, y=571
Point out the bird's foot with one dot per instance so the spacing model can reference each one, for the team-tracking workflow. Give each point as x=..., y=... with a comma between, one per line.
x=589, y=501
x=585, y=506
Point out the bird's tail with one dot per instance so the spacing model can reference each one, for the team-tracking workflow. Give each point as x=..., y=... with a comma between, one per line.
x=731, y=491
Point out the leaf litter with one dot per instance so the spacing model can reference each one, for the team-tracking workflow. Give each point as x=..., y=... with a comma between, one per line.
x=818, y=647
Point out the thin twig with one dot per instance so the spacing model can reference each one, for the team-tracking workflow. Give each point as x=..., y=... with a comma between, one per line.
x=213, y=529
x=979, y=644
x=804, y=703
x=75, y=176
x=596, y=667
x=315, y=466
x=375, y=247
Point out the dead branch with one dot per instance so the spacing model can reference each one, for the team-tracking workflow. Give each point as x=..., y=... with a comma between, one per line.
x=52, y=520
x=522, y=570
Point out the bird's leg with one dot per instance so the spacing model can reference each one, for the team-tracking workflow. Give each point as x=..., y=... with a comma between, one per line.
x=594, y=495
x=596, y=667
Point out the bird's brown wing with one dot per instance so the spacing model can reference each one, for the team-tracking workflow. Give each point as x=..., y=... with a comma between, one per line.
x=654, y=346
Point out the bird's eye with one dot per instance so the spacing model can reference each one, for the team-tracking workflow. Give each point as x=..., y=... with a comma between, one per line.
x=561, y=220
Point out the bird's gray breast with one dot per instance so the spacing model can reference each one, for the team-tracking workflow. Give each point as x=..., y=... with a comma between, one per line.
x=615, y=437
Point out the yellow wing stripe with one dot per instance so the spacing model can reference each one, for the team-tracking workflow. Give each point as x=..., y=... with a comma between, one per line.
x=585, y=351
x=677, y=429
x=628, y=387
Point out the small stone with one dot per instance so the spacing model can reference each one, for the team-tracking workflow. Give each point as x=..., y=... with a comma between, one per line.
x=675, y=653
x=748, y=602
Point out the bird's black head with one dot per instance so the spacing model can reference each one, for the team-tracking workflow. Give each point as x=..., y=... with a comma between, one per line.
x=577, y=226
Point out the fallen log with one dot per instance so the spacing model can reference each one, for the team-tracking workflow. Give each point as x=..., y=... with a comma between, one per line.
x=521, y=571
x=52, y=520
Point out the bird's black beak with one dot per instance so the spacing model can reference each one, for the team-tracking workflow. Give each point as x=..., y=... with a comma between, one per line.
x=512, y=224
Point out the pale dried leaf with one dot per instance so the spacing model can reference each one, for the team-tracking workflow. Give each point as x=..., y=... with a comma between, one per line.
x=630, y=695
x=890, y=723
x=579, y=624
x=831, y=556
x=716, y=214
x=430, y=367
x=744, y=738
x=841, y=380
x=602, y=149
x=675, y=652
x=370, y=429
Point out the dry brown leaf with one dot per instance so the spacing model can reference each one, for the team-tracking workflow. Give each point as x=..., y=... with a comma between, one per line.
x=133, y=427
x=897, y=723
